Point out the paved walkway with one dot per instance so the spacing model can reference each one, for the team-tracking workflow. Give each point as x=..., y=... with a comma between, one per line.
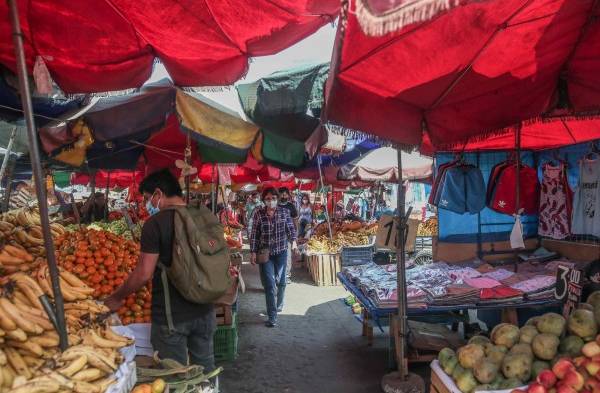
x=316, y=347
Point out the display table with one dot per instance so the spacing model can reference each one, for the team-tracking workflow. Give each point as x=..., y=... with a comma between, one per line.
x=376, y=316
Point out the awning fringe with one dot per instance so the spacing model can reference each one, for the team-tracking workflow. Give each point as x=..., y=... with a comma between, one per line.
x=404, y=14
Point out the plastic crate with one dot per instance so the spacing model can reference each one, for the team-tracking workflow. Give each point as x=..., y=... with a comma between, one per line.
x=226, y=341
x=357, y=255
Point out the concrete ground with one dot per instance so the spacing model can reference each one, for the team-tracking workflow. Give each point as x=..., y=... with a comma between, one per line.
x=316, y=347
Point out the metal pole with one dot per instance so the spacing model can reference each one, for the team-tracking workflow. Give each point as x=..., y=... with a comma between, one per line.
x=188, y=159
x=40, y=189
x=326, y=208
x=106, y=193
x=213, y=194
x=518, y=159
x=13, y=133
x=401, y=274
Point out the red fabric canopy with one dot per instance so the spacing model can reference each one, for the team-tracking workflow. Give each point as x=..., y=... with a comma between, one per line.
x=122, y=179
x=477, y=68
x=537, y=134
x=103, y=45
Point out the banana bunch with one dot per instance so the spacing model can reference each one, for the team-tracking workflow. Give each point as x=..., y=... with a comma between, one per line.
x=30, y=360
x=428, y=228
x=23, y=227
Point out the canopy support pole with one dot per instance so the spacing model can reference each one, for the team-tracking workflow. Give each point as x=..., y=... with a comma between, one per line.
x=326, y=207
x=401, y=274
x=401, y=380
x=40, y=189
x=187, y=158
x=13, y=133
x=106, y=193
x=518, y=160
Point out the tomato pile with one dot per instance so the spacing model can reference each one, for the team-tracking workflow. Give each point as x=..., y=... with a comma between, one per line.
x=103, y=260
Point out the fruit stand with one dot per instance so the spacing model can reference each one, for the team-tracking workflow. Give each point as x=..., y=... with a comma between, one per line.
x=549, y=353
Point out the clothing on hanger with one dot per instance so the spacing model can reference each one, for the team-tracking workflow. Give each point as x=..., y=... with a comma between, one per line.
x=586, y=200
x=556, y=202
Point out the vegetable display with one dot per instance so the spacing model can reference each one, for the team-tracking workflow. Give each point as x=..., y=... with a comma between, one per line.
x=103, y=261
x=428, y=228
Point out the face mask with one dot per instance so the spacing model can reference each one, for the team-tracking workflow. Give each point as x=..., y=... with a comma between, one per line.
x=272, y=203
x=151, y=209
x=305, y=201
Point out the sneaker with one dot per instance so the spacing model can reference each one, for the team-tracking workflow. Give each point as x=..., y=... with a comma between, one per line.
x=280, y=309
x=270, y=324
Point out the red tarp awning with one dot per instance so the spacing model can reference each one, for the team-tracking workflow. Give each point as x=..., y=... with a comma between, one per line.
x=536, y=134
x=121, y=179
x=477, y=68
x=103, y=45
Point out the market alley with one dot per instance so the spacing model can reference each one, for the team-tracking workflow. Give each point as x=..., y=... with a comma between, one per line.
x=316, y=347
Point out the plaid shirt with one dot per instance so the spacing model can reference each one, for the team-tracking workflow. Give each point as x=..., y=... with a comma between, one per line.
x=272, y=232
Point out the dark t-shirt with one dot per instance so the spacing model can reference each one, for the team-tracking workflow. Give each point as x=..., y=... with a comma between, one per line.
x=157, y=238
x=291, y=207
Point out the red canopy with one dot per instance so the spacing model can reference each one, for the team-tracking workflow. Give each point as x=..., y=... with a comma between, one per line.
x=479, y=67
x=536, y=134
x=102, y=45
x=122, y=179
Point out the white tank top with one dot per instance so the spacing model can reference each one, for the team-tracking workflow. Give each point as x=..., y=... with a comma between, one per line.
x=586, y=200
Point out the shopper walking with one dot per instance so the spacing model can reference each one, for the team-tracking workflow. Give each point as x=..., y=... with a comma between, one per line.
x=253, y=203
x=272, y=229
x=306, y=215
x=180, y=328
x=284, y=202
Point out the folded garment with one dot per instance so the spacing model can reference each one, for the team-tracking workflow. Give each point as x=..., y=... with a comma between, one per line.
x=535, y=284
x=499, y=274
x=500, y=292
x=482, y=282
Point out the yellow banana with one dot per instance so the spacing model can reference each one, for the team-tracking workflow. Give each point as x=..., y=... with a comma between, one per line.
x=105, y=383
x=8, y=375
x=101, y=342
x=109, y=334
x=32, y=362
x=86, y=387
x=36, y=231
x=16, y=334
x=87, y=375
x=46, y=342
x=17, y=362
x=38, y=385
x=29, y=346
x=15, y=314
x=6, y=322
x=74, y=366
x=2, y=358
x=19, y=298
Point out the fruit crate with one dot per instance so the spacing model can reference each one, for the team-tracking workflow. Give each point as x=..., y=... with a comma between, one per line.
x=226, y=341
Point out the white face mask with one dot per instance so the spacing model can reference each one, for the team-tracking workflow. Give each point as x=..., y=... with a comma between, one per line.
x=272, y=203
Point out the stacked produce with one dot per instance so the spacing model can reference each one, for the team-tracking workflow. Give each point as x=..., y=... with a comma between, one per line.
x=428, y=228
x=103, y=261
x=345, y=234
x=30, y=360
x=22, y=227
x=118, y=227
x=551, y=353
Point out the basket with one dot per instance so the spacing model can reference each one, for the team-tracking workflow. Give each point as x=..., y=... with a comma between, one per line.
x=357, y=255
x=226, y=341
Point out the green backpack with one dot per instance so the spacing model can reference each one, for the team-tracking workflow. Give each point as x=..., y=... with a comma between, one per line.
x=200, y=265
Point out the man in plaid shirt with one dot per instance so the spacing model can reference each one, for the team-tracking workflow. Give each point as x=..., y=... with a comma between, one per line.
x=272, y=228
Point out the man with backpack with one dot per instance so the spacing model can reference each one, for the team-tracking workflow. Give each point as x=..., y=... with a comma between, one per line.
x=184, y=252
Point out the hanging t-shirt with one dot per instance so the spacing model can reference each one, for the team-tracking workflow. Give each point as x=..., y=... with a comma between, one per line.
x=555, y=202
x=586, y=202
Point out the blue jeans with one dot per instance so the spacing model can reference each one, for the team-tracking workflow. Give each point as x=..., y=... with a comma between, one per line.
x=272, y=277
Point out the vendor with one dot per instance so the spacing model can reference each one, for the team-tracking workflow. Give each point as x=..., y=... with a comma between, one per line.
x=94, y=208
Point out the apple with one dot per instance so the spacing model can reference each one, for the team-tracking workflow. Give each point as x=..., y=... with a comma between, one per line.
x=562, y=388
x=573, y=379
x=546, y=378
x=535, y=387
x=592, y=383
x=561, y=367
x=591, y=349
x=580, y=361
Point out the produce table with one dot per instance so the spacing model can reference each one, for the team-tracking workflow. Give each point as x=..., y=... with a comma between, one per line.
x=382, y=316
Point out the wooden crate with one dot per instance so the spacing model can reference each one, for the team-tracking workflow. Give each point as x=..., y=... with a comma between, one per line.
x=224, y=315
x=437, y=386
x=323, y=268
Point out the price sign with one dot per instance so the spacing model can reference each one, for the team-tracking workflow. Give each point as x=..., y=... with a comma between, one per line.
x=568, y=288
x=387, y=233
